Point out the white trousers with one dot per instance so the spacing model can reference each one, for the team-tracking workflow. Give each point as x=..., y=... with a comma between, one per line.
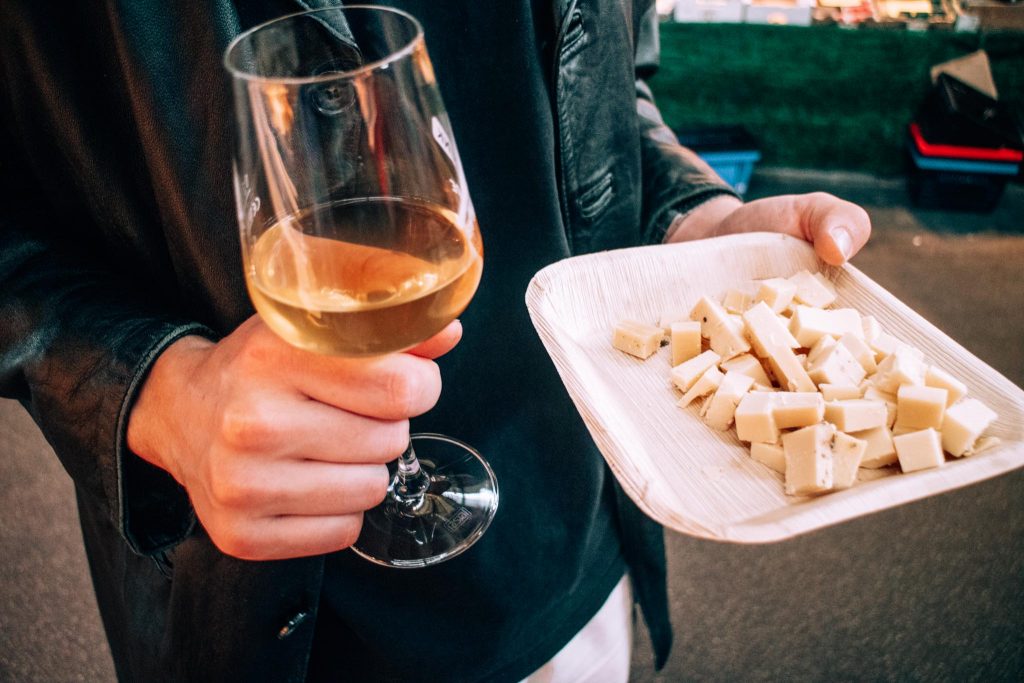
x=600, y=653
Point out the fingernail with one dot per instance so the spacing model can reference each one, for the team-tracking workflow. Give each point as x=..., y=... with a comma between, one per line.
x=841, y=237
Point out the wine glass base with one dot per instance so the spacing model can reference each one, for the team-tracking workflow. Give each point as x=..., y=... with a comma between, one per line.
x=456, y=509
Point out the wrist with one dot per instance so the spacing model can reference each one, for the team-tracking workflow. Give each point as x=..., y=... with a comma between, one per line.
x=704, y=220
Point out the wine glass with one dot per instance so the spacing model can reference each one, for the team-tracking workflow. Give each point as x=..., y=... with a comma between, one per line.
x=358, y=234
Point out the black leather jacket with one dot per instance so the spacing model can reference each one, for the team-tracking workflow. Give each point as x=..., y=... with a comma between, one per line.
x=117, y=237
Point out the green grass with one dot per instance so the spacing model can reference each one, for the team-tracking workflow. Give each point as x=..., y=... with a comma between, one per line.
x=820, y=96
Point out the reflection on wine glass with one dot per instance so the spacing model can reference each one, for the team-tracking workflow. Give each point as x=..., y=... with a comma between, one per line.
x=358, y=234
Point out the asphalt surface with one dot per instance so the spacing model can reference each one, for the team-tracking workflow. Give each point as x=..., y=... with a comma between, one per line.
x=931, y=591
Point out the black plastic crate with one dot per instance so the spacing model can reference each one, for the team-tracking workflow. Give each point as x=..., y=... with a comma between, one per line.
x=954, y=113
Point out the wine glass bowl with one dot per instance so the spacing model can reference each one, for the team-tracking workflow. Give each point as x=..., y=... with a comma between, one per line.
x=358, y=234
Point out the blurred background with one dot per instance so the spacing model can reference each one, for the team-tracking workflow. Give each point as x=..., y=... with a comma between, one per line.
x=842, y=96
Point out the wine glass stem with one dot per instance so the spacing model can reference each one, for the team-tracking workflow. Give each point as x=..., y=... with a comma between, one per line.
x=409, y=487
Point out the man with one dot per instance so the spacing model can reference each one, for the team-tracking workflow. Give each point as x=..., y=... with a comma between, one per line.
x=220, y=473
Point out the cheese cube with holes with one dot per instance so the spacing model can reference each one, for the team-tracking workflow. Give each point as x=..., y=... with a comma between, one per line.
x=905, y=365
x=963, y=424
x=838, y=392
x=879, y=450
x=723, y=334
x=919, y=450
x=919, y=407
x=704, y=385
x=836, y=365
x=809, y=466
x=856, y=414
x=847, y=452
x=688, y=372
x=940, y=379
x=776, y=292
x=719, y=410
x=809, y=324
x=748, y=365
x=771, y=454
x=684, y=338
x=755, y=421
x=765, y=330
x=637, y=339
x=810, y=290
x=797, y=408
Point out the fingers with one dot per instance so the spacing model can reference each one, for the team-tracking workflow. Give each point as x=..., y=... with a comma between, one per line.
x=278, y=538
x=441, y=343
x=837, y=228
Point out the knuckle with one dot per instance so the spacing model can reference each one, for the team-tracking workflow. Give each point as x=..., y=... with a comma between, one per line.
x=235, y=542
x=230, y=491
x=247, y=427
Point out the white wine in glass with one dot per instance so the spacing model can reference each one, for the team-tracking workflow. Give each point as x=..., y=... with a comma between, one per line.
x=358, y=234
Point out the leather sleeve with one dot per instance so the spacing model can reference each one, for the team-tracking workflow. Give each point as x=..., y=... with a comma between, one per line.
x=674, y=178
x=76, y=341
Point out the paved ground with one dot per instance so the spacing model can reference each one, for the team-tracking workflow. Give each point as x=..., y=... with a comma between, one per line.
x=931, y=591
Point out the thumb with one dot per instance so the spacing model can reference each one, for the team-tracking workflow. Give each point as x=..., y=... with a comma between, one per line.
x=837, y=228
x=441, y=343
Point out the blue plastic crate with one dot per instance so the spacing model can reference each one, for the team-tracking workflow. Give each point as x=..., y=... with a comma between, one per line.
x=730, y=150
x=734, y=167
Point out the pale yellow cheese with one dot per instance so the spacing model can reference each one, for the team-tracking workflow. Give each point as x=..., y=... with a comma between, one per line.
x=835, y=365
x=776, y=292
x=765, y=330
x=687, y=372
x=905, y=365
x=879, y=451
x=838, y=392
x=787, y=369
x=684, y=338
x=723, y=334
x=718, y=411
x=939, y=378
x=809, y=466
x=754, y=417
x=820, y=347
x=736, y=301
x=704, y=385
x=847, y=452
x=809, y=324
x=669, y=317
x=771, y=454
x=885, y=345
x=963, y=424
x=748, y=365
x=873, y=393
x=919, y=450
x=856, y=415
x=872, y=328
x=797, y=408
x=810, y=290
x=919, y=407
x=860, y=350
x=637, y=339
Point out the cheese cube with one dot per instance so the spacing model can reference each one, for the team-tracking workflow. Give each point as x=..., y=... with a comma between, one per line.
x=809, y=324
x=736, y=301
x=856, y=415
x=787, y=369
x=940, y=379
x=963, y=424
x=873, y=393
x=820, y=347
x=776, y=292
x=718, y=411
x=684, y=337
x=637, y=339
x=860, y=350
x=885, y=345
x=725, y=337
x=809, y=459
x=765, y=330
x=879, y=450
x=872, y=328
x=810, y=290
x=748, y=365
x=838, y=392
x=797, y=408
x=919, y=450
x=704, y=385
x=836, y=365
x=847, y=452
x=754, y=419
x=771, y=454
x=669, y=317
x=687, y=372
x=920, y=407
x=905, y=365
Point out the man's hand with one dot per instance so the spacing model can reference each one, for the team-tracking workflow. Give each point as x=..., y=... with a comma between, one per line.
x=836, y=228
x=281, y=450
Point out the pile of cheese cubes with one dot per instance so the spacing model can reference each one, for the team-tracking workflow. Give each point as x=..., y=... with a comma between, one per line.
x=818, y=392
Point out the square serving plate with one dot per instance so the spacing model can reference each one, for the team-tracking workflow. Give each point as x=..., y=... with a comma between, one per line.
x=686, y=475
